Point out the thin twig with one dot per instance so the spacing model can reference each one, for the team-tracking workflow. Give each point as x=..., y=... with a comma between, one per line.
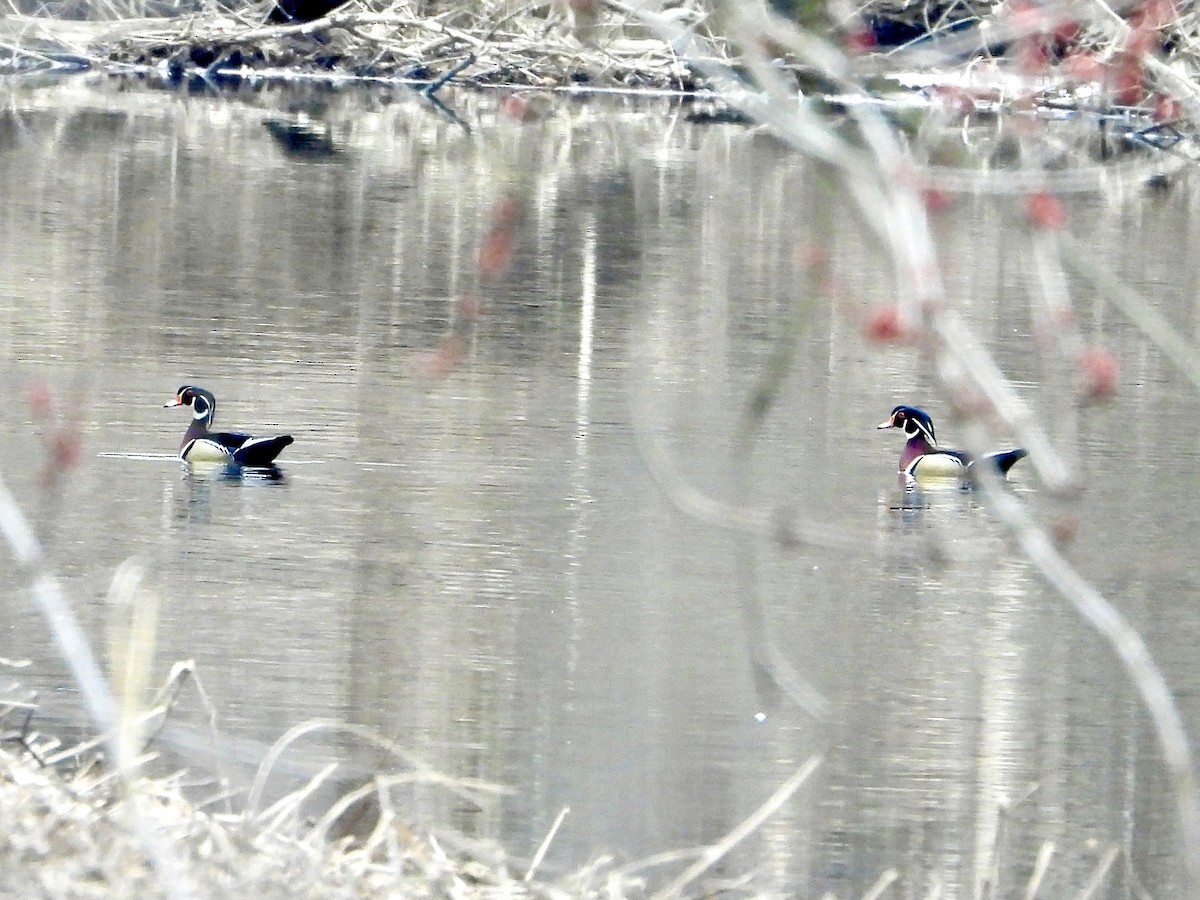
x=545, y=844
x=433, y=86
x=1040, y=867
x=1096, y=881
x=718, y=850
x=882, y=883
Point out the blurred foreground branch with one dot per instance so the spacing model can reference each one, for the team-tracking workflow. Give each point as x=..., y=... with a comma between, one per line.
x=871, y=163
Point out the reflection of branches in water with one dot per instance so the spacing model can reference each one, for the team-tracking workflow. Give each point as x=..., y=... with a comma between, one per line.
x=885, y=185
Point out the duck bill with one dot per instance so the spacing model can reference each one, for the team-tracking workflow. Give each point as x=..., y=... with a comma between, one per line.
x=175, y=402
x=888, y=424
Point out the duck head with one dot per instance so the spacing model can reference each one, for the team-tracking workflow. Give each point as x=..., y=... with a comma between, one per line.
x=918, y=428
x=202, y=402
x=914, y=422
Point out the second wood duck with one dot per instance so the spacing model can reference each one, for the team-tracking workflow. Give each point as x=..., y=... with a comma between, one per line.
x=922, y=459
x=201, y=445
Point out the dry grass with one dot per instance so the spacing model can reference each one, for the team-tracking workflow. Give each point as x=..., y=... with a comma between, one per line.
x=1098, y=55
x=72, y=836
x=489, y=42
x=1116, y=53
x=74, y=826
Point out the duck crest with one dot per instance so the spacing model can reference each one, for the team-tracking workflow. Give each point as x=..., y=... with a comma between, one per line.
x=204, y=410
x=204, y=404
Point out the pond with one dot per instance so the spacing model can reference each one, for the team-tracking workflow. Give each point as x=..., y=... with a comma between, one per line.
x=471, y=551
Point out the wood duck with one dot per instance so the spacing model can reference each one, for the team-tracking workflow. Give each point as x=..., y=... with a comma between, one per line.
x=921, y=458
x=201, y=445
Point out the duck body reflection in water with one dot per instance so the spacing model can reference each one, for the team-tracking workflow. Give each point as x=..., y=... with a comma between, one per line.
x=203, y=482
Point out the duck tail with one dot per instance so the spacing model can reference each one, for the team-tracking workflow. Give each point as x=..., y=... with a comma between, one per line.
x=1006, y=459
x=261, y=451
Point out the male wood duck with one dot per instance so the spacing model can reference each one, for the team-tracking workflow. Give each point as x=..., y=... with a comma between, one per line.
x=922, y=459
x=201, y=445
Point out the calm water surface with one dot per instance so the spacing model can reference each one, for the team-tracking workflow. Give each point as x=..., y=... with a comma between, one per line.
x=466, y=553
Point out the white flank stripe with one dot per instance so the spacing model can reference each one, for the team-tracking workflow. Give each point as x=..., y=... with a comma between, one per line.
x=148, y=457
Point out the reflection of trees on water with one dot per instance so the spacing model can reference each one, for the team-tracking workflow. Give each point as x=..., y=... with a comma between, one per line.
x=641, y=261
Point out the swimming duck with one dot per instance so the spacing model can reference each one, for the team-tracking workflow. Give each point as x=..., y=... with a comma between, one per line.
x=922, y=459
x=201, y=445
